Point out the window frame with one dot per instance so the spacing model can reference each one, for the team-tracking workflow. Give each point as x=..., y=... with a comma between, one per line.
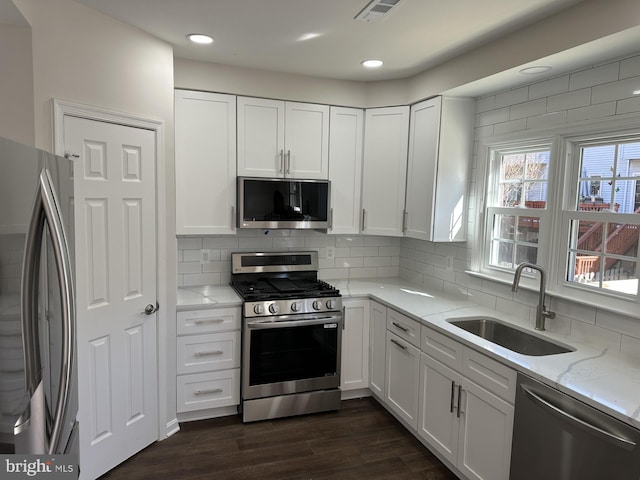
x=567, y=211
x=490, y=189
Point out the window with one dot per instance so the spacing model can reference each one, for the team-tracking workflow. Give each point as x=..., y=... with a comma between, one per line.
x=517, y=205
x=575, y=211
x=604, y=228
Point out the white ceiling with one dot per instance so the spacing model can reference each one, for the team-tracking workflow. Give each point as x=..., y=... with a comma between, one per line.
x=266, y=34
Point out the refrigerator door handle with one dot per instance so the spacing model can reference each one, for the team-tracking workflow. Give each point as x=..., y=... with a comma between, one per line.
x=46, y=210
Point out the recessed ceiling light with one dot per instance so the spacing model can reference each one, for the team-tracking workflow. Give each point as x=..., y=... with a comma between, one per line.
x=200, y=38
x=308, y=36
x=535, y=70
x=636, y=92
x=372, y=63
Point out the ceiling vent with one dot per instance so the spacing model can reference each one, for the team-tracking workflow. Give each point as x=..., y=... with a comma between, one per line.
x=377, y=10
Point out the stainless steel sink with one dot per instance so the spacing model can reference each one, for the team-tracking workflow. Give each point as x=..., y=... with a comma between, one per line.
x=509, y=337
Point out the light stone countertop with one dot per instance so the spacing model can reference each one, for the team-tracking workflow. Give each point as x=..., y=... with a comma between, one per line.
x=599, y=377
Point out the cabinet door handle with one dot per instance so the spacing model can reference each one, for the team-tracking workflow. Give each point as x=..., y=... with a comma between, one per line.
x=330, y=218
x=233, y=218
x=281, y=170
x=459, y=400
x=209, y=320
x=364, y=215
x=206, y=392
x=208, y=354
x=405, y=215
x=453, y=394
x=344, y=323
x=397, y=325
x=288, y=162
x=398, y=344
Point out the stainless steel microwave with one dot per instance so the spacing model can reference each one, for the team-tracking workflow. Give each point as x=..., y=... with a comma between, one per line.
x=272, y=203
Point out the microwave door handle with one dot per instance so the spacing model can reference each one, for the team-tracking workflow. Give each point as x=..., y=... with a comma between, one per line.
x=46, y=210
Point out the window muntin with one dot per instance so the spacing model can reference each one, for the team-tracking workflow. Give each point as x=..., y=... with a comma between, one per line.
x=604, y=223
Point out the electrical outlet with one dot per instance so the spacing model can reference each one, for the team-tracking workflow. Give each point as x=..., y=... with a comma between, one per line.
x=331, y=253
x=205, y=256
x=450, y=263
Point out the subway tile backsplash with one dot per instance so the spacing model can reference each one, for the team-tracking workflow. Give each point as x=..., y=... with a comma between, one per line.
x=352, y=256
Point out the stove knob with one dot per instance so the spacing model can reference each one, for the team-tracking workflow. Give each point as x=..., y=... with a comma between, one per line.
x=295, y=307
x=317, y=304
x=273, y=308
x=258, y=309
x=331, y=304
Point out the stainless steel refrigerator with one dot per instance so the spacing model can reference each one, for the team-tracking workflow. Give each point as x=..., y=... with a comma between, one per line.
x=38, y=385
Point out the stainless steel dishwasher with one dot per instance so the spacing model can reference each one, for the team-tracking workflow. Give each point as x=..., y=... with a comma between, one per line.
x=556, y=437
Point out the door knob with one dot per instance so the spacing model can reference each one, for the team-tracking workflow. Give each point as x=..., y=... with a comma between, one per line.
x=150, y=309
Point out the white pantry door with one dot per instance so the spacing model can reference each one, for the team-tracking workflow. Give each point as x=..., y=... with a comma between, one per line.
x=115, y=213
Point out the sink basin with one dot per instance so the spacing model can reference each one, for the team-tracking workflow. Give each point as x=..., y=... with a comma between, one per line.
x=509, y=337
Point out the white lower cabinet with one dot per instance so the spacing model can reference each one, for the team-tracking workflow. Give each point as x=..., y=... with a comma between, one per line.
x=208, y=362
x=457, y=400
x=354, y=364
x=403, y=371
x=467, y=423
x=377, y=350
x=486, y=426
x=438, y=422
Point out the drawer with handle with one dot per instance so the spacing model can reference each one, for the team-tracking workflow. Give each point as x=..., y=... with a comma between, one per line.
x=404, y=327
x=201, y=353
x=208, y=321
x=208, y=390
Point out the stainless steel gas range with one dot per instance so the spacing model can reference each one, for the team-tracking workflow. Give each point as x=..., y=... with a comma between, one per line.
x=292, y=333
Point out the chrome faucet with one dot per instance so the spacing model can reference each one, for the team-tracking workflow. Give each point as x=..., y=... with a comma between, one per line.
x=541, y=310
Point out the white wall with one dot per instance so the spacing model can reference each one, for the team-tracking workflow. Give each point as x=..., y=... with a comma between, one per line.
x=16, y=84
x=601, y=92
x=191, y=74
x=83, y=56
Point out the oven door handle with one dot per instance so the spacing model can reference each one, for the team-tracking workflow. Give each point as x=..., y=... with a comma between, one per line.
x=263, y=324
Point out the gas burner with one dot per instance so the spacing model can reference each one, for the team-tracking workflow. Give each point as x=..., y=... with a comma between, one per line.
x=282, y=283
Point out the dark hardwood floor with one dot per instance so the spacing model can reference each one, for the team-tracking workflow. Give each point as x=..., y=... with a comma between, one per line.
x=361, y=441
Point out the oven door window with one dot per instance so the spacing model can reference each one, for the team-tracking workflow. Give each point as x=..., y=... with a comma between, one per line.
x=293, y=353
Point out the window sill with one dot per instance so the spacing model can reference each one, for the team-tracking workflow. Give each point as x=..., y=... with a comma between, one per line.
x=631, y=309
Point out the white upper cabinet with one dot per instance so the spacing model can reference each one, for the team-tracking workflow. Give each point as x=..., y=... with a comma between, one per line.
x=345, y=169
x=205, y=136
x=440, y=148
x=385, y=169
x=260, y=137
x=282, y=139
